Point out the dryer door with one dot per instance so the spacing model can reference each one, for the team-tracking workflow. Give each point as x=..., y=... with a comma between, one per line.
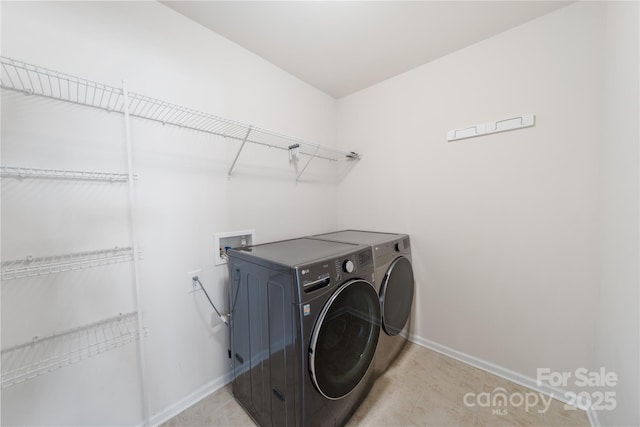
x=344, y=339
x=396, y=295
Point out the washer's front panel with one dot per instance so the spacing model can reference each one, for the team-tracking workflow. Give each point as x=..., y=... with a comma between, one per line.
x=344, y=339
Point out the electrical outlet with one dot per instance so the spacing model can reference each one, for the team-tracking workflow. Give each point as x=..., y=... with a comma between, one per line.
x=193, y=285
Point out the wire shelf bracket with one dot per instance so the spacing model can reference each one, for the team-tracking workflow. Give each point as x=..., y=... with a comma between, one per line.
x=307, y=164
x=47, y=354
x=235, y=160
x=34, y=80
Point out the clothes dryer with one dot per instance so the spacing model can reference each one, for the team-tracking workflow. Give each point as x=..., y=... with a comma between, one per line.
x=394, y=282
x=305, y=323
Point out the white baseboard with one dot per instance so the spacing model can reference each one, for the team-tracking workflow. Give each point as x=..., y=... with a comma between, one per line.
x=593, y=417
x=190, y=400
x=505, y=373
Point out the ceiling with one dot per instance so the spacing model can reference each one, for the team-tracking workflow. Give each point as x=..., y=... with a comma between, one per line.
x=341, y=47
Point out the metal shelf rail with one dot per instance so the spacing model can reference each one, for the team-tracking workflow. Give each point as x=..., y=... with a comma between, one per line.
x=31, y=266
x=34, y=80
x=21, y=172
x=47, y=354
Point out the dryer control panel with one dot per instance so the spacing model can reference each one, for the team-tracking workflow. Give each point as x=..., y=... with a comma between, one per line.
x=387, y=251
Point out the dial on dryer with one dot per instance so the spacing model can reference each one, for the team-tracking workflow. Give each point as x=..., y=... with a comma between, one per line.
x=348, y=266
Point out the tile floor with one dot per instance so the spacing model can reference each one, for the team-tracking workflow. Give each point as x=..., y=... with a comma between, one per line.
x=422, y=388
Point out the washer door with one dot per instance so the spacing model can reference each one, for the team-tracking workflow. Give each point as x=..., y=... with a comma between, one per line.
x=396, y=295
x=344, y=339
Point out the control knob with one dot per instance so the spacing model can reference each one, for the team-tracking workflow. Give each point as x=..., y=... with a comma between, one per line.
x=348, y=266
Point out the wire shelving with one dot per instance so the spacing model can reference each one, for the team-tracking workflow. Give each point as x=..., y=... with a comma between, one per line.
x=23, y=172
x=46, y=354
x=30, y=266
x=49, y=353
x=34, y=80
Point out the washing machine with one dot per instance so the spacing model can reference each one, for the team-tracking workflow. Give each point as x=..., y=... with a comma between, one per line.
x=304, y=328
x=395, y=285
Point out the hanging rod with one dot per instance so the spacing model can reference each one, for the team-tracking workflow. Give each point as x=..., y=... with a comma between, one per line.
x=34, y=80
x=31, y=266
x=47, y=354
x=21, y=172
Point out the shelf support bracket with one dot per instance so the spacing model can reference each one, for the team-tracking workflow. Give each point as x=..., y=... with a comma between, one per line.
x=244, y=141
x=307, y=164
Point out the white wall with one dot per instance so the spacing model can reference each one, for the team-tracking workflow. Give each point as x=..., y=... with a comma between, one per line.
x=506, y=228
x=618, y=331
x=184, y=197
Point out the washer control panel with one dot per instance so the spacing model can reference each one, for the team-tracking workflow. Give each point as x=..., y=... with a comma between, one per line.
x=320, y=275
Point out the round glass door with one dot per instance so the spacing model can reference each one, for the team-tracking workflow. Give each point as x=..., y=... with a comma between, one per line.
x=344, y=339
x=396, y=295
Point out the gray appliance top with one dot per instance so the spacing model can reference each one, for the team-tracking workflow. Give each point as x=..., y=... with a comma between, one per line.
x=299, y=251
x=356, y=236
